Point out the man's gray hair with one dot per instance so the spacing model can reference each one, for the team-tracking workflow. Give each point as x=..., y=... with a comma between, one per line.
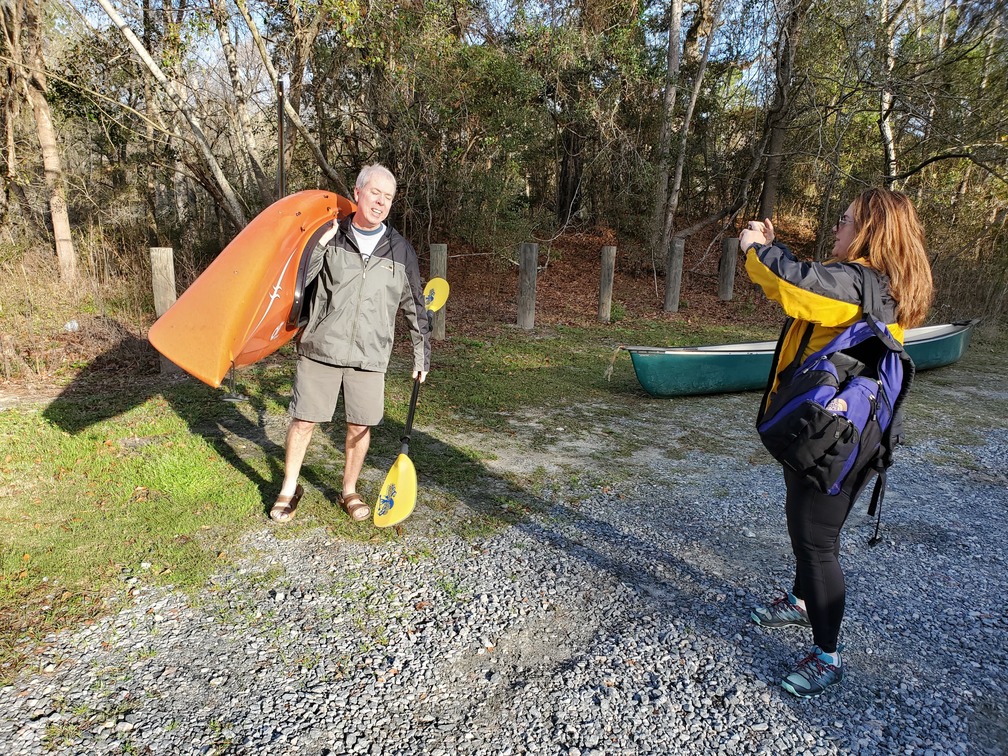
x=368, y=172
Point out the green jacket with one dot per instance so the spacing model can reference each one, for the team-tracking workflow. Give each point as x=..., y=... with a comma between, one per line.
x=353, y=303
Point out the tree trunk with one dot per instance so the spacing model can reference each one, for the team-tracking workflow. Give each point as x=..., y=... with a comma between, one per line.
x=9, y=108
x=220, y=15
x=9, y=158
x=673, y=201
x=933, y=106
x=825, y=211
x=320, y=159
x=672, y=64
x=26, y=44
x=305, y=28
x=55, y=183
x=150, y=174
x=964, y=184
x=772, y=170
x=787, y=43
x=571, y=171
x=886, y=97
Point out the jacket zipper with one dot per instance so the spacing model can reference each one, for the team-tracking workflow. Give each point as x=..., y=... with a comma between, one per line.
x=360, y=291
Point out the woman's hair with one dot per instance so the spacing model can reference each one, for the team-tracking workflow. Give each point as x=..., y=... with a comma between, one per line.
x=888, y=234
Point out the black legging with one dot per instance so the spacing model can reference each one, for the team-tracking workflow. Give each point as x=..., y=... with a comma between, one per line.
x=814, y=521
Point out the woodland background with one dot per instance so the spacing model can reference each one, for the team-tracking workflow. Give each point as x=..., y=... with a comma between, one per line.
x=572, y=124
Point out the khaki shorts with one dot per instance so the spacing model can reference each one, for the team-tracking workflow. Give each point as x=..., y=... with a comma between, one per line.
x=317, y=389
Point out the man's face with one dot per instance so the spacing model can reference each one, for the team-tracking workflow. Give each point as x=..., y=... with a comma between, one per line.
x=373, y=202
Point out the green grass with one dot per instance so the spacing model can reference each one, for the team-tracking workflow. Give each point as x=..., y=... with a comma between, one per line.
x=483, y=380
x=85, y=502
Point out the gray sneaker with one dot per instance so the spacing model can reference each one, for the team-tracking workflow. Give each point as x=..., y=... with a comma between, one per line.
x=781, y=613
x=812, y=676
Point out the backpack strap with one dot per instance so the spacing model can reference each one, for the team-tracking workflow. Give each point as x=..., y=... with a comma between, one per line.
x=893, y=435
x=802, y=346
x=871, y=307
x=785, y=375
x=875, y=508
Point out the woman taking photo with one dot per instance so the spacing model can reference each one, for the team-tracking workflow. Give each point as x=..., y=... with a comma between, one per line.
x=878, y=234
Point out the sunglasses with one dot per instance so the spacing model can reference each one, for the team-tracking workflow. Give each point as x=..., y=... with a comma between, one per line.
x=843, y=221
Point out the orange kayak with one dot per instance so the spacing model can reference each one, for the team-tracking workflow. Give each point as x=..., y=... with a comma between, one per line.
x=247, y=303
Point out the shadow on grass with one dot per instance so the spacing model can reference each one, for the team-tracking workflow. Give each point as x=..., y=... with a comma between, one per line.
x=237, y=430
x=104, y=391
x=239, y=422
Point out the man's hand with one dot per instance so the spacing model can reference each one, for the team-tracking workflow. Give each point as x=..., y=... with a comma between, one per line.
x=421, y=374
x=329, y=234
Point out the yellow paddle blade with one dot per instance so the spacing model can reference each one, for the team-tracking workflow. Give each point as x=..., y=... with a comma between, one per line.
x=435, y=294
x=398, y=494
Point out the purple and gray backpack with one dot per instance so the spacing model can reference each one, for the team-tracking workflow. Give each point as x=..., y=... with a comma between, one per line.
x=835, y=417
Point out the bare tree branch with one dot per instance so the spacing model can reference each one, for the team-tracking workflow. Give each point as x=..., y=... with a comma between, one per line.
x=230, y=201
x=949, y=156
x=329, y=171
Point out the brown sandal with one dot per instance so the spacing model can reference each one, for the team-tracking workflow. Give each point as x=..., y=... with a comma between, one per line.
x=284, y=507
x=353, y=504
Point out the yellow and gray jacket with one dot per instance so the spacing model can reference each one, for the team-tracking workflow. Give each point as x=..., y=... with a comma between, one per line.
x=351, y=321
x=828, y=295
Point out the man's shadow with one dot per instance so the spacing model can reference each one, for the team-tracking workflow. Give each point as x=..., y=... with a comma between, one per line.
x=128, y=374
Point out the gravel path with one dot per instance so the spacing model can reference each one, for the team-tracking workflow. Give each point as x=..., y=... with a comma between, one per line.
x=613, y=620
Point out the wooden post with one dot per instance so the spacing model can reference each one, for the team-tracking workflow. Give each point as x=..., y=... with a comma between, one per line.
x=439, y=269
x=726, y=268
x=606, y=277
x=673, y=273
x=528, y=263
x=163, y=281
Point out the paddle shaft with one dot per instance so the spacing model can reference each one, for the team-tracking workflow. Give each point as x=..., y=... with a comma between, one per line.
x=432, y=306
x=398, y=493
x=409, y=416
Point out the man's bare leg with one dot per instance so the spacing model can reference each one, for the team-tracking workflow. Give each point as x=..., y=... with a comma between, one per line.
x=298, y=435
x=358, y=439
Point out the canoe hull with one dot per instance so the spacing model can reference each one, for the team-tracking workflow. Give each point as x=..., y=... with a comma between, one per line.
x=246, y=304
x=937, y=346
x=729, y=368
x=663, y=373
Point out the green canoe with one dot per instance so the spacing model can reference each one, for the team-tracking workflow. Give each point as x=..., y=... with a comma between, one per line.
x=725, y=368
